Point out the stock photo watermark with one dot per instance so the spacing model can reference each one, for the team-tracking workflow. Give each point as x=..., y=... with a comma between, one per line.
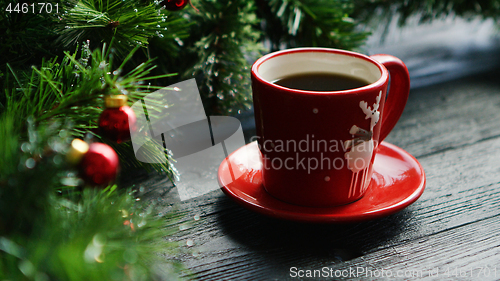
x=333, y=154
x=173, y=119
x=372, y=272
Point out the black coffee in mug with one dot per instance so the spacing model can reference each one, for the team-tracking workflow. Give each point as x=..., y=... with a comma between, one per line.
x=321, y=81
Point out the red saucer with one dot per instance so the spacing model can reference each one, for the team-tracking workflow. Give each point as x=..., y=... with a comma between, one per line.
x=398, y=180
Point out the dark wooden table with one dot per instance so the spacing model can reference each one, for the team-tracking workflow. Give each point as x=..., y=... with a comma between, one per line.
x=450, y=233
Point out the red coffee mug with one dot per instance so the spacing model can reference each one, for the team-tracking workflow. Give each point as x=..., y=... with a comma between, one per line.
x=318, y=147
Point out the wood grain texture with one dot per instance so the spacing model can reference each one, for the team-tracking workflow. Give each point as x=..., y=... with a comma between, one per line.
x=453, y=131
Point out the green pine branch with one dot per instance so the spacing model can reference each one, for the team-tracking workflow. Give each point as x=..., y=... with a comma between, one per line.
x=128, y=23
x=218, y=47
x=74, y=90
x=100, y=235
x=25, y=37
x=310, y=23
x=51, y=230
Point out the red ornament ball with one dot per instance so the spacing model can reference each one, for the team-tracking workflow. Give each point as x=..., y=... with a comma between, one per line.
x=99, y=165
x=174, y=5
x=117, y=120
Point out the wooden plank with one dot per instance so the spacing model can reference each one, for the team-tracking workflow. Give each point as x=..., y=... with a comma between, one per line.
x=468, y=252
x=449, y=115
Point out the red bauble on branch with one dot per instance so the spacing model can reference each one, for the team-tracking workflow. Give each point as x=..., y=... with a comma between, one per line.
x=117, y=120
x=97, y=163
x=174, y=5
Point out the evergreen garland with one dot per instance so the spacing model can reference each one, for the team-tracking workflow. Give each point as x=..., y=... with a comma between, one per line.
x=25, y=37
x=218, y=46
x=312, y=23
x=42, y=212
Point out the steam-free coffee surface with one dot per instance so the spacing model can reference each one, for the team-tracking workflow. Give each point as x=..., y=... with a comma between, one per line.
x=321, y=82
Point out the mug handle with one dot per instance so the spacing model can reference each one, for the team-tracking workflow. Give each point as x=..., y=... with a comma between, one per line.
x=399, y=90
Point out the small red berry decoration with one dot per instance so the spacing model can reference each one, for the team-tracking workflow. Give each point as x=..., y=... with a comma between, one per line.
x=117, y=120
x=174, y=5
x=97, y=163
